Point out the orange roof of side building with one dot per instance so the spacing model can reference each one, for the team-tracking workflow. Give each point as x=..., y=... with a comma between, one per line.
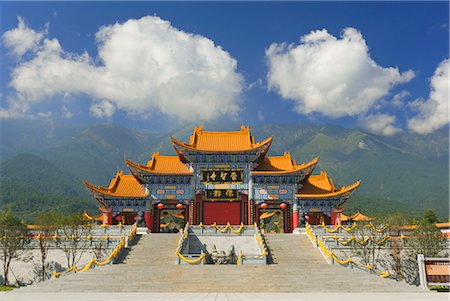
x=162, y=165
x=321, y=186
x=282, y=164
x=87, y=216
x=443, y=225
x=121, y=186
x=222, y=141
x=358, y=216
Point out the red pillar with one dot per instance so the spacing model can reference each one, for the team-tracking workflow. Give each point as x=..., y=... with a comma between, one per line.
x=148, y=220
x=294, y=215
x=336, y=216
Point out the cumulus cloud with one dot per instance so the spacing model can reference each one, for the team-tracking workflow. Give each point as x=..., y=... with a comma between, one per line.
x=146, y=65
x=433, y=113
x=18, y=108
x=399, y=98
x=332, y=76
x=22, y=39
x=381, y=124
x=102, y=109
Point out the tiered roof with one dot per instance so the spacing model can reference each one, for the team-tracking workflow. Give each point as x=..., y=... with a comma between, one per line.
x=121, y=186
x=282, y=165
x=358, y=216
x=87, y=216
x=321, y=186
x=162, y=165
x=222, y=141
x=314, y=186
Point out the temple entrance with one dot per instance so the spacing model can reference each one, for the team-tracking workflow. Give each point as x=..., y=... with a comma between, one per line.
x=274, y=219
x=171, y=220
x=271, y=220
x=317, y=218
x=125, y=218
x=222, y=212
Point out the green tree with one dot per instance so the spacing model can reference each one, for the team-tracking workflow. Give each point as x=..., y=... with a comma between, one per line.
x=425, y=239
x=430, y=216
x=367, y=234
x=13, y=241
x=46, y=225
x=394, y=261
x=71, y=233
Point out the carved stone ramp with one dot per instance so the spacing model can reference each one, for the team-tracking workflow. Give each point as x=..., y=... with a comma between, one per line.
x=150, y=266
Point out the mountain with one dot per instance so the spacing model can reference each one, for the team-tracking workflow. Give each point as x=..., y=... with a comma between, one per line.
x=405, y=172
x=410, y=169
x=30, y=184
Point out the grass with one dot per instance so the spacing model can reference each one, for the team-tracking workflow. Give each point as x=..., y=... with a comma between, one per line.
x=7, y=287
x=439, y=288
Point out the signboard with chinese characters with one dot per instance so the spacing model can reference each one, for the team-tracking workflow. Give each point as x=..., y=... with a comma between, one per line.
x=222, y=176
x=221, y=194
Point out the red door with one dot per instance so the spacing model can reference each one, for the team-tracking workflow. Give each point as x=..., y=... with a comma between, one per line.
x=222, y=212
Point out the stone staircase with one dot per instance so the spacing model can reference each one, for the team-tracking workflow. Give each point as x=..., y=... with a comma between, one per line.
x=150, y=266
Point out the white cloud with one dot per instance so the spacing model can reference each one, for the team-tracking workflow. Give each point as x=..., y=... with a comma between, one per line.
x=18, y=108
x=21, y=39
x=332, y=76
x=146, y=66
x=102, y=109
x=66, y=113
x=433, y=112
x=399, y=98
x=381, y=124
x=258, y=83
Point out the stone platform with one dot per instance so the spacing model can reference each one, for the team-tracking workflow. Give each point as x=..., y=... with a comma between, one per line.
x=151, y=266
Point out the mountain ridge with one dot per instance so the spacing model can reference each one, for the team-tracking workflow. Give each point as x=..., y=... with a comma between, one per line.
x=408, y=171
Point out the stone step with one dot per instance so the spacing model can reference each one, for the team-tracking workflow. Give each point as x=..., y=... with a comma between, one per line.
x=150, y=266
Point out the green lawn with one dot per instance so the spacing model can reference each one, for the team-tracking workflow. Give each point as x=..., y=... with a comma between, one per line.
x=7, y=287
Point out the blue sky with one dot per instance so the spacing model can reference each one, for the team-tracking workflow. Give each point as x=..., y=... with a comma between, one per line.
x=410, y=36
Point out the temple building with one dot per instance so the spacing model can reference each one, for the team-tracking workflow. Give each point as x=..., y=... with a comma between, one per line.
x=221, y=177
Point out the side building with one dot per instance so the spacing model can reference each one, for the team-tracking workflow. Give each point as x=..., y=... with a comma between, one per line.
x=221, y=177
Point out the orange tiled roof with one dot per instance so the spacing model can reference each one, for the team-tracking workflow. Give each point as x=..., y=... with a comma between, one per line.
x=281, y=164
x=344, y=218
x=443, y=225
x=222, y=141
x=358, y=216
x=162, y=165
x=90, y=217
x=321, y=186
x=121, y=186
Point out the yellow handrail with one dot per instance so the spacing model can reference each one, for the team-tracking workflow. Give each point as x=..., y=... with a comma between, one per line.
x=112, y=255
x=330, y=254
x=192, y=261
x=239, y=258
x=333, y=230
x=239, y=230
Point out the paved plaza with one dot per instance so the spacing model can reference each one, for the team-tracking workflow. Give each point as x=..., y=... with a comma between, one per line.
x=224, y=296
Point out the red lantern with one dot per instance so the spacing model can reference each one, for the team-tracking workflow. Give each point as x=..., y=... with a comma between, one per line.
x=263, y=205
x=283, y=206
x=179, y=206
x=160, y=206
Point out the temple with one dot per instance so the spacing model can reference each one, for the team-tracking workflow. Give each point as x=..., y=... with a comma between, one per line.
x=221, y=177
